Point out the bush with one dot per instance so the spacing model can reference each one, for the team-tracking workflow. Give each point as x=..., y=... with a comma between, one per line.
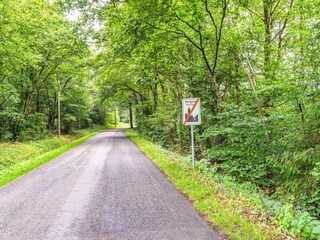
x=35, y=127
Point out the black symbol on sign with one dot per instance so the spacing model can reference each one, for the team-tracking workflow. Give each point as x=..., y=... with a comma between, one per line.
x=192, y=118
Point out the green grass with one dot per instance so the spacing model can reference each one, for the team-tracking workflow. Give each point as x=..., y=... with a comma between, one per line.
x=110, y=123
x=123, y=125
x=16, y=159
x=231, y=212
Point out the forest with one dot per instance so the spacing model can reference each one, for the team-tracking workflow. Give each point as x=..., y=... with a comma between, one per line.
x=253, y=63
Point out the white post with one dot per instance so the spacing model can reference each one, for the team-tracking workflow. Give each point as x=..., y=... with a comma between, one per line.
x=192, y=145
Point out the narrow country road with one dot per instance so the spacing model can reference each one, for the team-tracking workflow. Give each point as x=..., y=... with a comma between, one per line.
x=104, y=188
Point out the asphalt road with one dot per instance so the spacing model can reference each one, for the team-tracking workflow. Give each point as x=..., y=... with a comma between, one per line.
x=105, y=188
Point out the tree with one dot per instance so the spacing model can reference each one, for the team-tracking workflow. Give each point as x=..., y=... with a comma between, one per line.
x=38, y=45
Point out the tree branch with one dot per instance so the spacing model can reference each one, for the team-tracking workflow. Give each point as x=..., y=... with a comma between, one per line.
x=219, y=36
x=211, y=16
x=280, y=32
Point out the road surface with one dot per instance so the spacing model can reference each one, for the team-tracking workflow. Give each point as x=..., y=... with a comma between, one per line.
x=105, y=188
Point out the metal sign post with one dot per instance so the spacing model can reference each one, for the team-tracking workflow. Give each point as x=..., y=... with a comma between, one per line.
x=192, y=145
x=191, y=116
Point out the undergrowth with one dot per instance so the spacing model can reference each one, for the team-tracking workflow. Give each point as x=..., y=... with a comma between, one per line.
x=240, y=211
x=17, y=158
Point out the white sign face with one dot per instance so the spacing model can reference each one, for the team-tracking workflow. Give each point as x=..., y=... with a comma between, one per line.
x=191, y=112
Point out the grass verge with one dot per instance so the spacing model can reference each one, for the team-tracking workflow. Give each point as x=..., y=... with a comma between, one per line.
x=18, y=159
x=232, y=212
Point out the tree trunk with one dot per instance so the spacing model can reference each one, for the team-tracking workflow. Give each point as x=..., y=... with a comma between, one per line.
x=58, y=97
x=267, y=38
x=130, y=113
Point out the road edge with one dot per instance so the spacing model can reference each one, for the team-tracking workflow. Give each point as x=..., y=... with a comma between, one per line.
x=223, y=214
x=19, y=170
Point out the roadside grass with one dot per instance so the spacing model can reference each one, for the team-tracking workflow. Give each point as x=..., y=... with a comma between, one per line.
x=123, y=125
x=111, y=125
x=17, y=159
x=234, y=213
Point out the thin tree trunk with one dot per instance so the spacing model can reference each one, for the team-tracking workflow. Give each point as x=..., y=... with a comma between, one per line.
x=130, y=113
x=58, y=97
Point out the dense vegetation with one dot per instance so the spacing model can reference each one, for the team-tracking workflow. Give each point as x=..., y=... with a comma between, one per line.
x=254, y=64
x=39, y=48
x=21, y=157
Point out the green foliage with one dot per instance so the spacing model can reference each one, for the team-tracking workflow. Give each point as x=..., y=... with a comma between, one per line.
x=221, y=202
x=223, y=190
x=20, y=158
x=255, y=67
x=38, y=47
x=254, y=64
x=35, y=127
x=11, y=124
x=98, y=114
x=302, y=225
x=243, y=146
